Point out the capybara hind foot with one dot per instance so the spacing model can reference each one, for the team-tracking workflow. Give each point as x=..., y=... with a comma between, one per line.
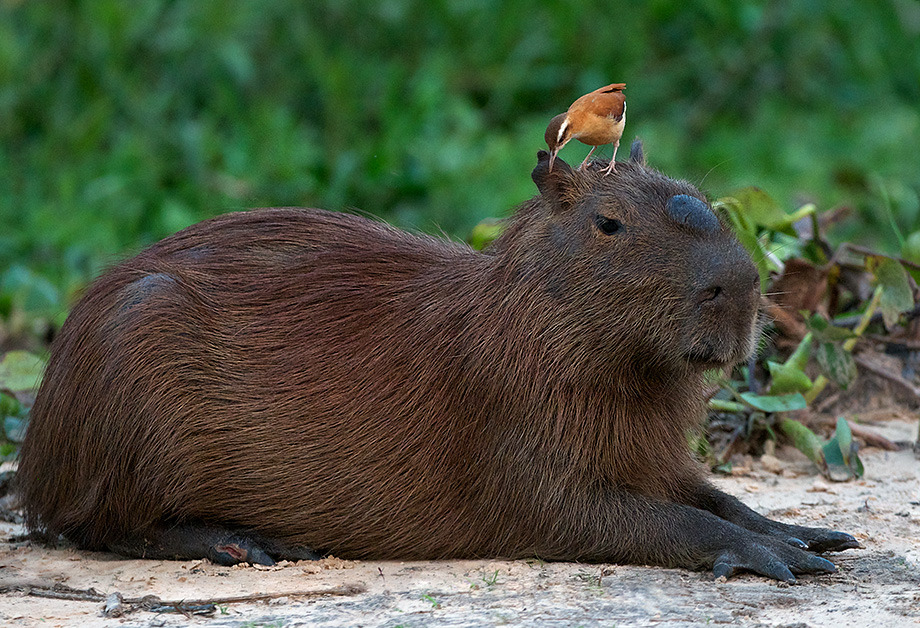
x=219, y=545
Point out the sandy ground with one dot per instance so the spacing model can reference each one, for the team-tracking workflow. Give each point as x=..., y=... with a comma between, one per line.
x=876, y=586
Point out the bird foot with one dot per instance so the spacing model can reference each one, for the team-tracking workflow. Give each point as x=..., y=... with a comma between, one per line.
x=585, y=162
x=613, y=160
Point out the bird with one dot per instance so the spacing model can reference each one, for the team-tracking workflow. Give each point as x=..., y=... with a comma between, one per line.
x=595, y=119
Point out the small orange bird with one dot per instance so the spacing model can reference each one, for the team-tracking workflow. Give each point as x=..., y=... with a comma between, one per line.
x=594, y=119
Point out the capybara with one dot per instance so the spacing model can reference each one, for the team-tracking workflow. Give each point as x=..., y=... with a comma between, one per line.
x=286, y=383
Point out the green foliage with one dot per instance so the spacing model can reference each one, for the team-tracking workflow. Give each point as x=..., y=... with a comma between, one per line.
x=775, y=403
x=14, y=418
x=803, y=439
x=836, y=363
x=838, y=458
x=759, y=222
x=896, y=293
x=431, y=600
x=121, y=122
x=840, y=454
x=483, y=233
x=834, y=359
x=772, y=238
x=20, y=371
x=790, y=377
x=20, y=375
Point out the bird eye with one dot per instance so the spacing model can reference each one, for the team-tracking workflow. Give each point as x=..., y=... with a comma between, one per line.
x=608, y=226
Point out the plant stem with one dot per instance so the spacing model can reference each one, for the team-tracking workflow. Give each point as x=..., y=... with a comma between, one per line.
x=866, y=319
x=721, y=405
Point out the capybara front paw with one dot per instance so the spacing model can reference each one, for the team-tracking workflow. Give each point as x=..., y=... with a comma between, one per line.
x=770, y=558
x=814, y=539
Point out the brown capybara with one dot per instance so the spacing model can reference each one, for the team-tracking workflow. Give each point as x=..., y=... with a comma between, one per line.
x=283, y=383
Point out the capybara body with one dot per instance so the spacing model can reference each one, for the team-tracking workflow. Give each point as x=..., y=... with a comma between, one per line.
x=310, y=380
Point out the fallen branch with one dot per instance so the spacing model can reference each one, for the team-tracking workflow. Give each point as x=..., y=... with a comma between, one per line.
x=872, y=439
x=117, y=605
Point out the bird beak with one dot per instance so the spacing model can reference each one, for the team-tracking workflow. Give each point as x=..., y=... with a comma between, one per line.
x=552, y=158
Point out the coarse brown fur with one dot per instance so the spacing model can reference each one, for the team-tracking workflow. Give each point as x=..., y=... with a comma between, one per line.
x=327, y=381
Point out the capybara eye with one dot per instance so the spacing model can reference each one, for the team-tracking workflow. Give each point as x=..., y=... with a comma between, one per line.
x=608, y=226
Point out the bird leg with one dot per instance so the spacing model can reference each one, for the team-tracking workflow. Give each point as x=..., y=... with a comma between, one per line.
x=581, y=167
x=613, y=160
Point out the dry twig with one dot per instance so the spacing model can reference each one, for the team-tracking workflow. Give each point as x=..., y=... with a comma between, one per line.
x=155, y=604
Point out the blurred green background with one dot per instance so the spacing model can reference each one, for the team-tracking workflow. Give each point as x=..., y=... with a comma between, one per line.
x=121, y=122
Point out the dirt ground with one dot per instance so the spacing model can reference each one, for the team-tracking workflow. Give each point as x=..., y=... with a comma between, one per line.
x=877, y=586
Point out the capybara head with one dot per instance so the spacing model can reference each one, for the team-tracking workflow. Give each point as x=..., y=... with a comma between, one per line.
x=639, y=263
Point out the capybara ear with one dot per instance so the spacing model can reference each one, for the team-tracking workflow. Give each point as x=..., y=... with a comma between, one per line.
x=555, y=185
x=637, y=152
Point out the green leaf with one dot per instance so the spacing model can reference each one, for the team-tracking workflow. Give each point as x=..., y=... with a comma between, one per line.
x=775, y=403
x=763, y=210
x=840, y=454
x=896, y=293
x=804, y=440
x=844, y=436
x=787, y=378
x=910, y=251
x=799, y=357
x=836, y=363
x=746, y=232
x=483, y=233
x=30, y=291
x=9, y=405
x=825, y=332
x=20, y=371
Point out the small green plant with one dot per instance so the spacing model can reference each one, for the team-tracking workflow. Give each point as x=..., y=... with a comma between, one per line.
x=491, y=580
x=434, y=603
x=837, y=458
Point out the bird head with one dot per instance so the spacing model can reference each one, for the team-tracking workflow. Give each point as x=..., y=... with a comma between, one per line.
x=558, y=132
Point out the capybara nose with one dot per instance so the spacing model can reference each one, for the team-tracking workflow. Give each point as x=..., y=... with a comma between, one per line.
x=731, y=279
x=733, y=282
x=709, y=294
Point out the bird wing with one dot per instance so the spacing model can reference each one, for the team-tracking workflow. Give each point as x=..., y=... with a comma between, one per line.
x=603, y=105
